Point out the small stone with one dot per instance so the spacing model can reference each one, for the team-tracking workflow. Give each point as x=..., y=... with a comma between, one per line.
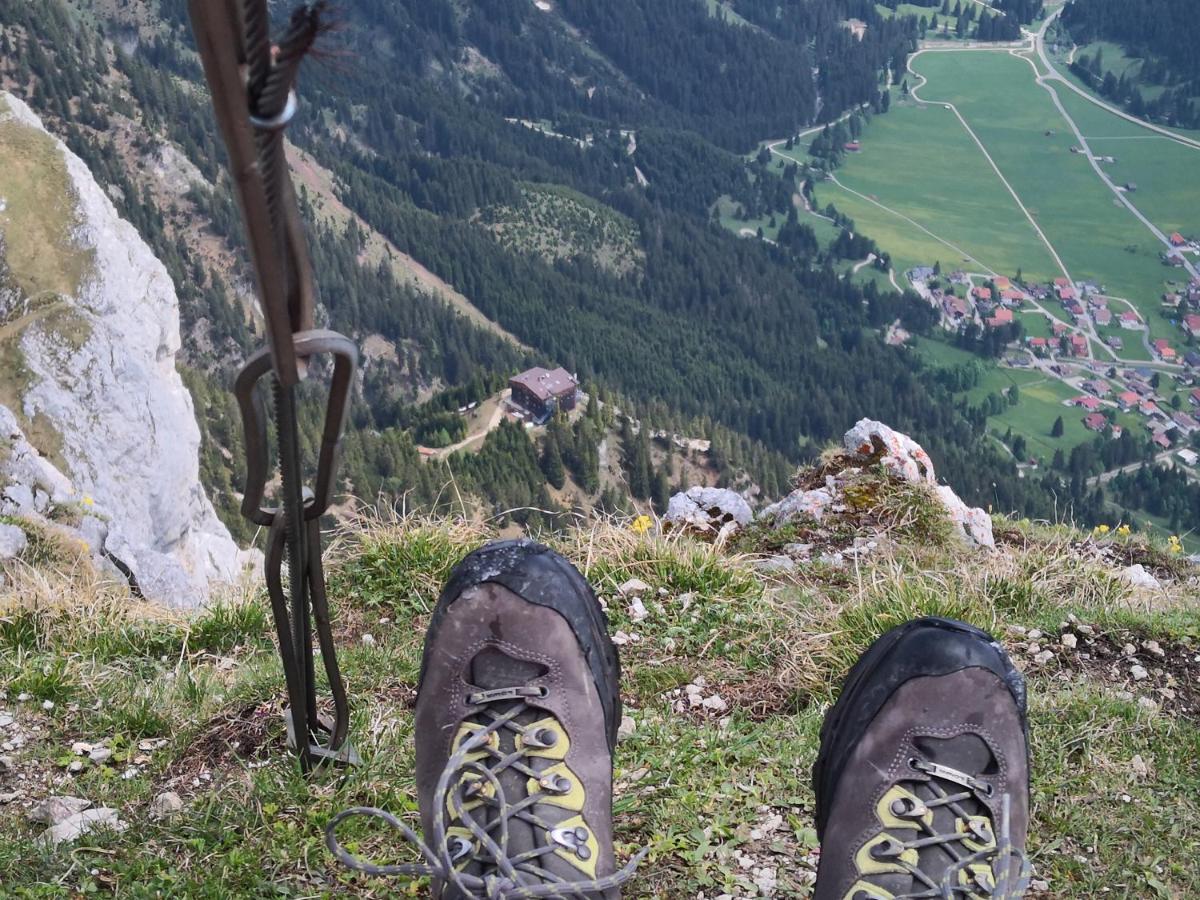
x=1085, y=629
x=715, y=703
x=166, y=805
x=627, y=728
x=53, y=810
x=1034, y=648
x=1137, y=576
x=80, y=824
x=1039, y=884
x=633, y=587
x=1155, y=648
x=100, y=755
x=24, y=697
x=1044, y=657
x=1147, y=703
x=7, y=763
x=1016, y=630
x=368, y=640
x=1069, y=641
x=81, y=748
x=1034, y=634
x=1129, y=650
x=637, y=610
x=12, y=541
x=9, y=797
x=5, y=720
x=1139, y=673
x=47, y=705
x=151, y=744
x=1138, y=766
x=75, y=767
x=130, y=773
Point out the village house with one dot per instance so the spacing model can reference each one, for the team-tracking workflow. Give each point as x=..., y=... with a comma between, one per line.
x=1066, y=294
x=1178, y=240
x=542, y=392
x=1038, y=345
x=1164, y=350
x=1162, y=440
x=1011, y=297
x=1094, y=386
x=1116, y=432
x=1000, y=317
x=1195, y=397
x=1115, y=341
x=982, y=293
x=1189, y=457
x=955, y=307
x=921, y=273
x=1172, y=299
x=1149, y=409
x=1091, y=404
x=959, y=277
x=1059, y=329
x=1191, y=324
x=1001, y=283
x=1128, y=400
x=1130, y=320
x=1103, y=316
x=1192, y=359
x=1078, y=345
x=1187, y=424
x=1095, y=422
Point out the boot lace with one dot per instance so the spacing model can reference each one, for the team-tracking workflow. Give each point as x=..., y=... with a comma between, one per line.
x=986, y=864
x=470, y=781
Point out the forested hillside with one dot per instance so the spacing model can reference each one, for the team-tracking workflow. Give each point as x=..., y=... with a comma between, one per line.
x=1163, y=34
x=438, y=120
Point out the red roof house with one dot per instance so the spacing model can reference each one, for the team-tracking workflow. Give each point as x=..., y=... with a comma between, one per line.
x=1079, y=345
x=1001, y=283
x=1066, y=293
x=1095, y=422
x=1196, y=396
x=1001, y=317
x=1103, y=316
x=1178, y=240
x=1062, y=282
x=1091, y=404
x=1128, y=399
x=1191, y=324
x=1130, y=319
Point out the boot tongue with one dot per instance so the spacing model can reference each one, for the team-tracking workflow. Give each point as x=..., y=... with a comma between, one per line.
x=493, y=668
x=968, y=753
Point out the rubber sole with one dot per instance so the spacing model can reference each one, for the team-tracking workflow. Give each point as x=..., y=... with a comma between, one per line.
x=539, y=575
x=921, y=648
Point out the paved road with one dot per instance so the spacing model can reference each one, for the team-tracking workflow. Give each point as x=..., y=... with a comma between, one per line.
x=1039, y=40
x=1055, y=75
x=1106, y=477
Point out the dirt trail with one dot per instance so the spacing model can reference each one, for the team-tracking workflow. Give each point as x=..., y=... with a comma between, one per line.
x=319, y=182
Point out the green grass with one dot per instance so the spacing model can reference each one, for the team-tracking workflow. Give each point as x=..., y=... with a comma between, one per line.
x=918, y=162
x=688, y=786
x=1096, y=237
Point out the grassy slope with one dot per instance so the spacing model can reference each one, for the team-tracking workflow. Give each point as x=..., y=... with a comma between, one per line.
x=689, y=785
x=1097, y=238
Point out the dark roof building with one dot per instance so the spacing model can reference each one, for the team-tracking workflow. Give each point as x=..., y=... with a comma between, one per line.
x=542, y=392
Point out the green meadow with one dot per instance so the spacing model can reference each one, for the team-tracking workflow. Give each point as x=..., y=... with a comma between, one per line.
x=919, y=163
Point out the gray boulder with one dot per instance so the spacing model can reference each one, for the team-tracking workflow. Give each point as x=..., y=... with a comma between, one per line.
x=708, y=510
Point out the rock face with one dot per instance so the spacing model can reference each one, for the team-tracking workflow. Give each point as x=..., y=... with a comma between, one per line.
x=100, y=420
x=708, y=511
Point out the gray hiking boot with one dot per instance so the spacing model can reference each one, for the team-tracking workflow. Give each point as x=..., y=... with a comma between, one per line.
x=922, y=779
x=516, y=721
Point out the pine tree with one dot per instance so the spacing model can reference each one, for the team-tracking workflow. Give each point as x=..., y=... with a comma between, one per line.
x=1057, y=431
x=552, y=463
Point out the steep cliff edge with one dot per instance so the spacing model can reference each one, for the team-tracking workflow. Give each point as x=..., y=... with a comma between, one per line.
x=97, y=431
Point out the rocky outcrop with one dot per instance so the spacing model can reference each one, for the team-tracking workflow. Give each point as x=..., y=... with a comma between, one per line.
x=708, y=511
x=98, y=419
x=873, y=442
x=835, y=490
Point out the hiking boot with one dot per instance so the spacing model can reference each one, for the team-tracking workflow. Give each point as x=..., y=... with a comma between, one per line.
x=922, y=779
x=516, y=721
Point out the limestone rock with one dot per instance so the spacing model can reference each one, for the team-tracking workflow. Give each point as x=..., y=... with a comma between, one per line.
x=1137, y=576
x=800, y=505
x=166, y=805
x=99, y=375
x=708, y=510
x=634, y=587
x=80, y=824
x=12, y=542
x=53, y=810
x=871, y=441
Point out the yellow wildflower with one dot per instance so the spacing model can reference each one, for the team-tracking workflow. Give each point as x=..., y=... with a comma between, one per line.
x=1124, y=531
x=642, y=524
x=1100, y=530
x=1174, y=544
x=88, y=501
